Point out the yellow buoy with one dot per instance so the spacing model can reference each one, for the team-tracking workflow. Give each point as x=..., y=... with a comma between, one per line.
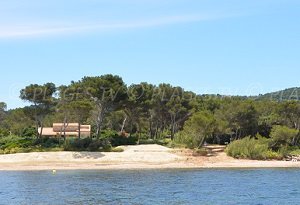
x=53, y=171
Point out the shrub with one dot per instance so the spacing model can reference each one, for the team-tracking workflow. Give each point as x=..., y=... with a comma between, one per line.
x=120, y=140
x=47, y=142
x=187, y=140
x=273, y=155
x=87, y=144
x=114, y=139
x=249, y=148
x=4, y=133
x=284, y=151
x=99, y=145
x=77, y=144
x=107, y=134
x=17, y=144
x=13, y=141
x=295, y=152
x=163, y=142
x=29, y=132
x=117, y=149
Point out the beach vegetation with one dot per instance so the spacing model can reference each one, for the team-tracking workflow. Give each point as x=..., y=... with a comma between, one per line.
x=144, y=113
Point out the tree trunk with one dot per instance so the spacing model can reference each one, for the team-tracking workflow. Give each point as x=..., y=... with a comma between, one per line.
x=151, y=128
x=123, y=125
x=37, y=129
x=79, y=130
x=65, y=127
x=100, y=117
x=173, y=124
x=42, y=127
x=41, y=133
x=156, y=131
x=36, y=122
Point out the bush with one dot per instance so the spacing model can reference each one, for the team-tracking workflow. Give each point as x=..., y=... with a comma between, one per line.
x=284, y=151
x=29, y=132
x=117, y=149
x=114, y=139
x=47, y=142
x=163, y=142
x=13, y=141
x=87, y=144
x=120, y=140
x=107, y=134
x=273, y=155
x=4, y=133
x=249, y=148
x=187, y=140
x=99, y=145
x=17, y=144
x=77, y=144
x=295, y=152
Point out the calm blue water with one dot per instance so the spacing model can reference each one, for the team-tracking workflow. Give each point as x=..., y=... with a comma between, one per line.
x=266, y=186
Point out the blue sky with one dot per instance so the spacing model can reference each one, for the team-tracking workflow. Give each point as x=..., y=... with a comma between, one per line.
x=207, y=46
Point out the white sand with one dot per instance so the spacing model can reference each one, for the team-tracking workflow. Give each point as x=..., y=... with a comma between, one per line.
x=133, y=157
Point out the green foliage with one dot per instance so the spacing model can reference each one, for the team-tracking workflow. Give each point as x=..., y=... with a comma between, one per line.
x=108, y=134
x=163, y=142
x=117, y=149
x=4, y=132
x=151, y=114
x=272, y=155
x=16, y=121
x=249, y=148
x=108, y=93
x=284, y=151
x=196, y=130
x=42, y=100
x=47, y=142
x=283, y=95
x=185, y=139
x=87, y=144
x=29, y=132
x=120, y=140
x=295, y=152
x=17, y=144
x=3, y=108
x=283, y=136
x=240, y=116
x=115, y=139
x=13, y=141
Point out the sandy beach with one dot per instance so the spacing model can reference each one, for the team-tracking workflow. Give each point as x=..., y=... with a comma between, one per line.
x=133, y=157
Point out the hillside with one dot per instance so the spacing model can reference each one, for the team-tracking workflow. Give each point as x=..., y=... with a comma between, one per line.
x=287, y=94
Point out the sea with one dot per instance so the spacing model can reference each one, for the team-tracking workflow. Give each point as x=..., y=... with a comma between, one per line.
x=174, y=187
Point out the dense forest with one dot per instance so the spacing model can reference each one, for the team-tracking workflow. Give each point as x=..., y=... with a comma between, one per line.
x=264, y=127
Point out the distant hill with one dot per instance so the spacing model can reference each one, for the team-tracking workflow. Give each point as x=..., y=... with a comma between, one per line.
x=287, y=94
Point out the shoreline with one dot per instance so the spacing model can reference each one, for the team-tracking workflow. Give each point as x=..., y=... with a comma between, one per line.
x=141, y=157
x=117, y=167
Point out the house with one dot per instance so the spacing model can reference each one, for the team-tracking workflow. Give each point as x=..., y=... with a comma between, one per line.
x=67, y=130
